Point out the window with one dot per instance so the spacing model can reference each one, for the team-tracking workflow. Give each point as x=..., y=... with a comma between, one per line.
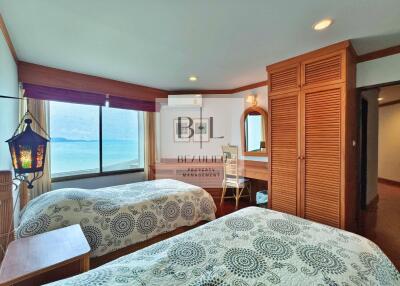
x=121, y=139
x=88, y=139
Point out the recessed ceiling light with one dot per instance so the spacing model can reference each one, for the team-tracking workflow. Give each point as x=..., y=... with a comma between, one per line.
x=193, y=78
x=380, y=98
x=323, y=24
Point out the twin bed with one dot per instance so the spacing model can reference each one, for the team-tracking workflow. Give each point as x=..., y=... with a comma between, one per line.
x=252, y=246
x=120, y=219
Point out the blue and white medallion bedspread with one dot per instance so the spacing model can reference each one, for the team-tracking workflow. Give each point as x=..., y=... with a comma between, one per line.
x=114, y=217
x=251, y=247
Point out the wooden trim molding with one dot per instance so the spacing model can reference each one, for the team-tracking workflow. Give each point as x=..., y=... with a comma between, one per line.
x=52, y=77
x=379, y=54
x=389, y=103
x=220, y=91
x=6, y=35
x=250, y=86
x=389, y=182
x=367, y=87
x=57, y=78
x=201, y=91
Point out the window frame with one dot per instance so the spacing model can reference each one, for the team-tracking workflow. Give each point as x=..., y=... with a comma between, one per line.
x=101, y=173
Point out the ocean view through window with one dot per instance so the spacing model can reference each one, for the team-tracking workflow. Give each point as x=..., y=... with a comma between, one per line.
x=121, y=134
x=76, y=136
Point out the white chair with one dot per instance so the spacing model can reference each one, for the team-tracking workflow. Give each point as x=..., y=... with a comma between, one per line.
x=231, y=176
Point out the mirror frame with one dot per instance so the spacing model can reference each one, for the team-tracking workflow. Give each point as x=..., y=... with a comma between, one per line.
x=264, y=114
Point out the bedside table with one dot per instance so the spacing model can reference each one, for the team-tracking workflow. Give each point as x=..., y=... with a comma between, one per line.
x=45, y=257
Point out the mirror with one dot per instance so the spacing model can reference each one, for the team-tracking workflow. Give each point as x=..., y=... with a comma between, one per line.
x=254, y=131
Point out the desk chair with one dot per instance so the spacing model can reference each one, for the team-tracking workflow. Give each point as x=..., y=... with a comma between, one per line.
x=231, y=176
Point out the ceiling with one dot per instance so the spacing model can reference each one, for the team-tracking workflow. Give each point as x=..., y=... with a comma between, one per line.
x=389, y=94
x=159, y=43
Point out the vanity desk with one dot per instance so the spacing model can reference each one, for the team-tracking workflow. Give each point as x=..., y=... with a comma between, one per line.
x=189, y=172
x=255, y=170
x=172, y=169
x=210, y=174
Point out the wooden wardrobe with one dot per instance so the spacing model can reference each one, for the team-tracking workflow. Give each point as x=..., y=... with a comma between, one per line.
x=313, y=136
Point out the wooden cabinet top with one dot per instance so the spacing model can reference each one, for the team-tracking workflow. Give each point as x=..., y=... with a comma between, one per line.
x=31, y=256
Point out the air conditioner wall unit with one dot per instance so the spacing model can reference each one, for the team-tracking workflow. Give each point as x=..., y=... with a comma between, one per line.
x=185, y=100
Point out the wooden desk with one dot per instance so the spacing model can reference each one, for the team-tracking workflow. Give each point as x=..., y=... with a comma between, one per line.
x=255, y=170
x=45, y=257
x=173, y=170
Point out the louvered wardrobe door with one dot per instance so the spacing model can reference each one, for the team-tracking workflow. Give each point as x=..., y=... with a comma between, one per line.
x=322, y=151
x=284, y=80
x=328, y=69
x=283, y=152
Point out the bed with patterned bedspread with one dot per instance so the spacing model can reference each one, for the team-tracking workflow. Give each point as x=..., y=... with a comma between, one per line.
x=115, y=217
x=252, y=246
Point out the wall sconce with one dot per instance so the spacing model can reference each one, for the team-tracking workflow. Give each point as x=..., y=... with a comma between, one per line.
x=28, y=151
x=252, y=99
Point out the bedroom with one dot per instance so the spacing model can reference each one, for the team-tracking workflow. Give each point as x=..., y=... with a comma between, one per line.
x=175, y=128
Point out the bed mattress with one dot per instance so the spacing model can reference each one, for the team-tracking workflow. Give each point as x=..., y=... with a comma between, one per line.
x=115, y=217
x=253, y=246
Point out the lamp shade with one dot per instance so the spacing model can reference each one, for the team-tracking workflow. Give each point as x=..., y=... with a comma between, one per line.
x=28, y=150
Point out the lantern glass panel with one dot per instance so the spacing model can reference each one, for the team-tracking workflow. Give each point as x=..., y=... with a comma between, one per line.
x=14, y=157
x=39, y=156
x=25, y=156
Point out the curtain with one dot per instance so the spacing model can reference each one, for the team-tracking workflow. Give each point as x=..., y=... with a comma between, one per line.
x=64, y=95
x=39, y=109
x=149, y=142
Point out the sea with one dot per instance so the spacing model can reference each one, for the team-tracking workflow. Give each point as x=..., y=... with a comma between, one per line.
x=80, y=157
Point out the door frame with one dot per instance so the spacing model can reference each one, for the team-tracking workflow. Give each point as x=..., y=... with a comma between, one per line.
x=362, y=205
x=363, y=153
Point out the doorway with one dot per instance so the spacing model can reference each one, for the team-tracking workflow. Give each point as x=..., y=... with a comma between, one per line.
x=379, y=192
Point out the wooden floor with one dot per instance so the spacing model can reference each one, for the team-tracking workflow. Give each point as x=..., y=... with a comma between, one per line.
x=382, y=223
x=229, y=206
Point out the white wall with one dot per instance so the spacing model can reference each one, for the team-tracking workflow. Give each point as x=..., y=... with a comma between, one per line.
x=262, y=101
x=372, y=144
x=378, y=71
x=218, y=108
x=389, y=142
x=8, y=107
x=226, y=111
